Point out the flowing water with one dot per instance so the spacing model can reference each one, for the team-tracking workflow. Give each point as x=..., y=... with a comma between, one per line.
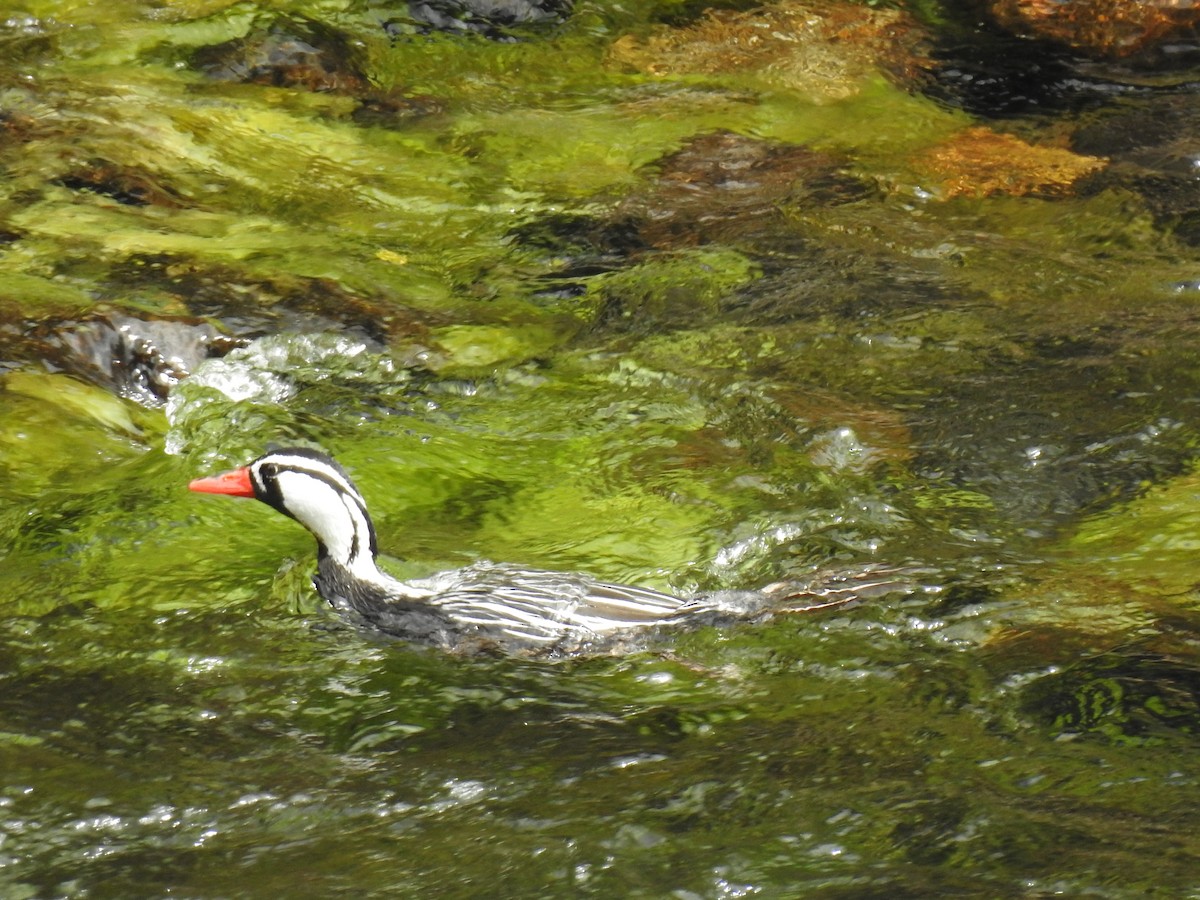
x=690, y=328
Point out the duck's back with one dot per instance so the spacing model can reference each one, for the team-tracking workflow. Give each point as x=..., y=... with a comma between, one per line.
x=544, y=607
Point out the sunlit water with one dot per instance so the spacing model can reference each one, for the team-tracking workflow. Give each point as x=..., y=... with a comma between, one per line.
x=996, y=394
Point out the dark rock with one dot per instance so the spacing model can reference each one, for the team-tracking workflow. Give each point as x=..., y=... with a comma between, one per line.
x=299, y=53
x=312, y=56
x=1154, y=152
x=252, y=305
x=1146, y=690
x=394, y=110
x=721, y=186
x=806, y=281
x=490, y=18
x=990, y=70
x=1001, y=77
x=124, y=184
x=579, y=246
x=139, y=359
x=142, y=359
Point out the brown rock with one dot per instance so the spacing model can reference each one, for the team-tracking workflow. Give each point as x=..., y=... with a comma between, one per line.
x=825, y=50
x=127, y=185
x=1103, y=28
x=979, y=162
x=719, y=186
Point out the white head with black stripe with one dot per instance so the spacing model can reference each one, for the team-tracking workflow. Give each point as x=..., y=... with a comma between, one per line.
x=311, y=488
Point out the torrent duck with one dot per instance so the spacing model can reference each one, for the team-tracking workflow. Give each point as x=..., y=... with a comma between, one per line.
x=488, y=607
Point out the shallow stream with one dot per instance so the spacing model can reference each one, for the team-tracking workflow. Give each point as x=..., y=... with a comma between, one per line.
x=560, y=294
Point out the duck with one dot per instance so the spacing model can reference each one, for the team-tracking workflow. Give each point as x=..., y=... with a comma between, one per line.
x=487, y=607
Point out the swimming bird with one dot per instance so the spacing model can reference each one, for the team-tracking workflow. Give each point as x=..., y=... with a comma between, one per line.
x=492, y=607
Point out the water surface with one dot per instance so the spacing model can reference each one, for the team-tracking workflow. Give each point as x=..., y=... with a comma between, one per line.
x=687, y=329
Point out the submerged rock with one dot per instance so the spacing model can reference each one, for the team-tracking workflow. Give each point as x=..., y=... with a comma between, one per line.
x=720, y=186
x=717, y=231
x=979, y=162
x=312, y=56
x=1145, y=692
x=127, y=185
x=214, y=309
x=1154, y=150
x=1102, y=28
x=392, y=110
x=826, y=50
x=141, y=360
x=994, y=74
x=300, y=53
x=251, y=304
x=1013, y=69
x=490, y=18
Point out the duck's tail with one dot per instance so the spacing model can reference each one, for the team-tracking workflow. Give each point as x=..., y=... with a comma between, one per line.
x=831, y=588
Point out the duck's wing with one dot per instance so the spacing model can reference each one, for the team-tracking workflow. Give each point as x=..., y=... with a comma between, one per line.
x=544, y=606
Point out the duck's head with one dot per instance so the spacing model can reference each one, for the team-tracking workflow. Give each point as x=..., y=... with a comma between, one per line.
x=311, y=488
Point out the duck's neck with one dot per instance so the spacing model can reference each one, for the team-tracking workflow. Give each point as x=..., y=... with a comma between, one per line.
x=357, y=566
x=348, y=572
x=343, y=529
x=390, y=606
x=363, y=588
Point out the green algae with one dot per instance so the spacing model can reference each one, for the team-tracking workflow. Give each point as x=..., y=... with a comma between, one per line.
x=254, y=169
x=32, y=295
x=1147, y=544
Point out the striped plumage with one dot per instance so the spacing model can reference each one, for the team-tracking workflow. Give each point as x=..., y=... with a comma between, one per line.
x=487, y=606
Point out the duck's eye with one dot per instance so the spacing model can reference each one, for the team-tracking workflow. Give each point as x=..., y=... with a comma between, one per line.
x=268, y=470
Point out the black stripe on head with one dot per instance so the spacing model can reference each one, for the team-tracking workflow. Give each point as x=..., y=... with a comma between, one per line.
x=293, y=457
x=313, y=463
